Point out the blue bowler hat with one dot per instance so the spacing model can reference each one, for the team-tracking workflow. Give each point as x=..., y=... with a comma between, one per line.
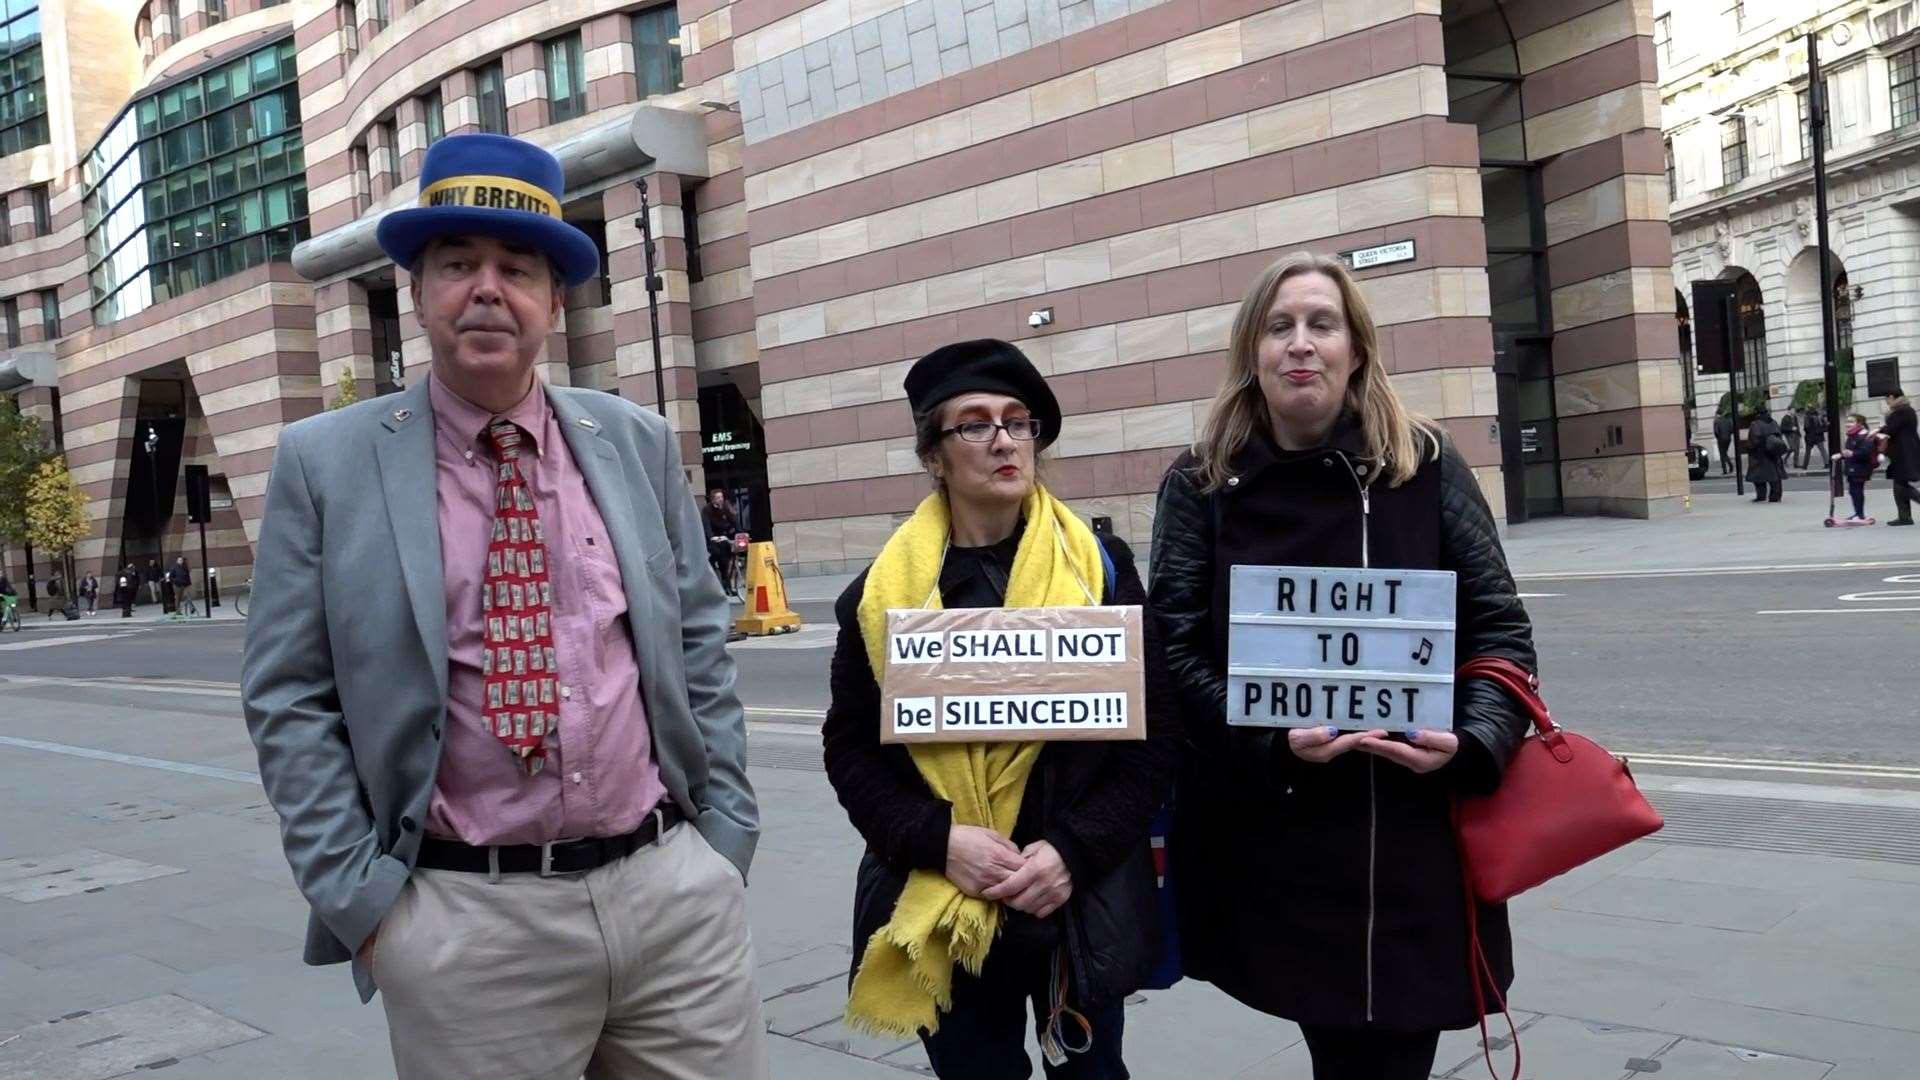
x=490, y=185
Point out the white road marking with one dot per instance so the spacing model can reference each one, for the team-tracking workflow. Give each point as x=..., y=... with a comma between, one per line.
x=121, y=682
x=772, y=710
x=1774, y=789
x=47, y=643
x=1538, y=595
x=1709, y=571
x=1778, y=765
x=211, y=771
x=1836, y=611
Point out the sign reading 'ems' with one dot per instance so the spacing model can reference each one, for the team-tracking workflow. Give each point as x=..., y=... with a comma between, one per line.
x=1351, y=649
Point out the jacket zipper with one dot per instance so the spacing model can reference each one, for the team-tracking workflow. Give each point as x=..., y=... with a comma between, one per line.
x=1373, y=801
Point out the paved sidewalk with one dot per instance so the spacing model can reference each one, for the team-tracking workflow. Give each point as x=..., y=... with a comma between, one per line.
x=147, y=919
x=1721, y=529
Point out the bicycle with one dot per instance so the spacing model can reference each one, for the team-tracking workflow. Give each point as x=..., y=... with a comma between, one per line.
x=10, y=613
x=240, y=596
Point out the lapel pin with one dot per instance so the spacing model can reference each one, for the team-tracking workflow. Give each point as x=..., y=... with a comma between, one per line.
x=587, y=422
x=400, y=415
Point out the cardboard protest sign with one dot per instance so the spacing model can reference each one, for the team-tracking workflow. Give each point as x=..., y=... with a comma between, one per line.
x=1352, y=649
x=1014, y=674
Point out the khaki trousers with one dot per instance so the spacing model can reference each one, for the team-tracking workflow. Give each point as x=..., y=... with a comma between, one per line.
x=641, y=969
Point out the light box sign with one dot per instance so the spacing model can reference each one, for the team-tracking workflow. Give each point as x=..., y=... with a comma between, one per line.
x=1014, y=674
x=1352, y=649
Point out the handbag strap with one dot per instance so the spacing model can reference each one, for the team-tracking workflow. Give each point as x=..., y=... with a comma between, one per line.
x=1524, y=687
x=1477, y=967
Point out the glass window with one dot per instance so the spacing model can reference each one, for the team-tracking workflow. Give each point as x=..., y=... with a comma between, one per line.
x=436, y=117
x=1733, y=150
x=50, y=314
x=42, y=210
x=566, y=78
x=656, y=50
x=1805, y=103
x=23, y=90
x=1904, y=71
x=1673, y=175
x=489, y=87
x=12, y=309
x=174, y=199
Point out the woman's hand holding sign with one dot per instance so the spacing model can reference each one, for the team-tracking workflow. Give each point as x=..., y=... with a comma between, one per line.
x=979, y=859
x=1319, y=745
x=1039, y=887
x=1423, y=752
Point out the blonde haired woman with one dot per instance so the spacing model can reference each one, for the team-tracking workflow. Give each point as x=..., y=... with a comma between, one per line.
x=1316, y=869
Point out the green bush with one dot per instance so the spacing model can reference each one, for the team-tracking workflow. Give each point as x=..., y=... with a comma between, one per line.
x=1752, y=400
x=1813, y=392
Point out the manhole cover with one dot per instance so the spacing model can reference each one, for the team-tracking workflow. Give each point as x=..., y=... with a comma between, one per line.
x=33, y=878
x=119, y=1040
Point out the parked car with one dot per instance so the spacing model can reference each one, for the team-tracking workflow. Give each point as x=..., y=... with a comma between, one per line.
x=1697, y=461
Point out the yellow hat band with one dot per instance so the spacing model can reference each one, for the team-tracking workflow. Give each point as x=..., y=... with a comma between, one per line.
x=490, y=193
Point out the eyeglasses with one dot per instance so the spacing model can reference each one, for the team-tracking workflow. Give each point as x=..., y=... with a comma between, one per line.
x=1022, y=428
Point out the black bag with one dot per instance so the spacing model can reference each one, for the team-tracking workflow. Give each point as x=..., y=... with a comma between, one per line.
x=1775, y=446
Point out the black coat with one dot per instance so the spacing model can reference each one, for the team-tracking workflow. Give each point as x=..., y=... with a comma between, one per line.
x=1330, y=894
x=1763, y=467
x=1903, y=444
x=1091, y=800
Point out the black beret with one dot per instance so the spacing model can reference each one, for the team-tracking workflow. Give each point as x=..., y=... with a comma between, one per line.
x=985, y=365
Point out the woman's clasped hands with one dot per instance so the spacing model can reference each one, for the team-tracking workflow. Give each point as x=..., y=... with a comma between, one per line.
x=986, y=865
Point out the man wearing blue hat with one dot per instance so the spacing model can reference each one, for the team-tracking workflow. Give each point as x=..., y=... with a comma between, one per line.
x=486, y=674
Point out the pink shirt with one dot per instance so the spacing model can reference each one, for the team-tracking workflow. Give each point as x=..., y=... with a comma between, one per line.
x=600, y=778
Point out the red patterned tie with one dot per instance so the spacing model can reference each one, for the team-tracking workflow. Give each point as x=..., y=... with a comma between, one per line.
x=520, y=706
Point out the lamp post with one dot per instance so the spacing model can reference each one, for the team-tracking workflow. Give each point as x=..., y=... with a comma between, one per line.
x=653, y=283
x=153, y=478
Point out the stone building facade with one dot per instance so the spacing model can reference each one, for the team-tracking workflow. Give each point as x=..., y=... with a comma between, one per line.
x=1741, y=178
x=837, y=187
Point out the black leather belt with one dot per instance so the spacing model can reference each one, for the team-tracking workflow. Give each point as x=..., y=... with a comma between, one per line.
x=555, y=857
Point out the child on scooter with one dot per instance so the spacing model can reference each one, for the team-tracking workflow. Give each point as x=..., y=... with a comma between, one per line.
x=1857, y=461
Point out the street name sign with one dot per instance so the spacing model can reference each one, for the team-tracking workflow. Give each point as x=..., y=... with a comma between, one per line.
x=1351, y=649
x=1014, y=674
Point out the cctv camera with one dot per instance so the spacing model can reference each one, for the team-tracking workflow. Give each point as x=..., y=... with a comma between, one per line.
x=1040, y=318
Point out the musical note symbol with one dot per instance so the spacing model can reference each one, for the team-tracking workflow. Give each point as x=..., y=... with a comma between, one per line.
x=1425, y=655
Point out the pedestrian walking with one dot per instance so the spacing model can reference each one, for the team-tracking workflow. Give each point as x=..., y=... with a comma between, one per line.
x=1723, y=435
x=1062, y=841
x=1815, y=426
x=1857, y=460
x=90, y=592
x=56, y=589
x=1790, y=430
x=181, y=578
x=153, y=578
x=1316, y=870
x=9, y=603
x=720, y=525
x=128, y=593
x=512, y=784
x=1901, y=443
x=1766, y=456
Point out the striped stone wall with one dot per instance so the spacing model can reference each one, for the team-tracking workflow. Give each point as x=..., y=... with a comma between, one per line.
x=1134, y=178
x=1592, y=107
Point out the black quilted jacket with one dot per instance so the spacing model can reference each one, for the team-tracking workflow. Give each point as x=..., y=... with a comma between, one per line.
x=1330, y=894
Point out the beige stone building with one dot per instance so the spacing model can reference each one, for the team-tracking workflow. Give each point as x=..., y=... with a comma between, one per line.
x=837, y=187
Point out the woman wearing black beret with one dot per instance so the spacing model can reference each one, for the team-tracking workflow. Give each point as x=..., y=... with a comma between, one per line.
x=996, y=874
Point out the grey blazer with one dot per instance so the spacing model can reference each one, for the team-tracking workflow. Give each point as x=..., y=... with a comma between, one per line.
x=344, y=681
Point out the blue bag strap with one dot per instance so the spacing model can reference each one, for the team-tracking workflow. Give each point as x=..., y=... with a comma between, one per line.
x=1106, y=567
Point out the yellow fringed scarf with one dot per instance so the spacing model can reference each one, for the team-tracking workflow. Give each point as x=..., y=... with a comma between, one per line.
x=906, y=976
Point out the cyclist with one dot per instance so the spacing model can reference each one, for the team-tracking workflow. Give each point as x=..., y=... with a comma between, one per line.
x=721, y=525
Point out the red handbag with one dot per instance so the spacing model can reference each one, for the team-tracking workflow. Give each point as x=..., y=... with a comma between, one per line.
x=1562, y=801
